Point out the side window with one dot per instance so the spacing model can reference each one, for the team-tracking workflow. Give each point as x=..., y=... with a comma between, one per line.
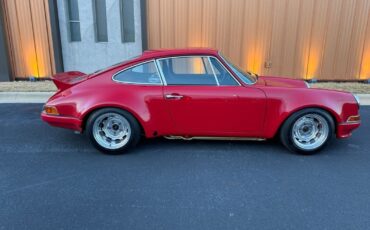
x=224, y=78
x=141, y=74
x=187, y=71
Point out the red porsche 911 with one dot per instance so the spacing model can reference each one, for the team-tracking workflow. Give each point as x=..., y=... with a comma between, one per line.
x=196, y=93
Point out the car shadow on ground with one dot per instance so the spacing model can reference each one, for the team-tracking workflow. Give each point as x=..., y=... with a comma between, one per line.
x=65, y=139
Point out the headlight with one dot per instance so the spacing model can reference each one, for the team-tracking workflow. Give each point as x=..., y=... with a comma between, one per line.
x=308, y=85
x=354, y=119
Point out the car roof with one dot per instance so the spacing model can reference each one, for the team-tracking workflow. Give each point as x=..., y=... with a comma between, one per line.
x=158, y=53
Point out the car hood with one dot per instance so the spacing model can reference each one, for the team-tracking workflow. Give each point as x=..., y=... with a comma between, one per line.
x=281, y=82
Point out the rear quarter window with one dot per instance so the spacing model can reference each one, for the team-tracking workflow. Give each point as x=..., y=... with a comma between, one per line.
x=145, y=73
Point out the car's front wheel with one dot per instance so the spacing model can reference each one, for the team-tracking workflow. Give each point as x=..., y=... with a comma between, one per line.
x=307, y=131
x=112, y=130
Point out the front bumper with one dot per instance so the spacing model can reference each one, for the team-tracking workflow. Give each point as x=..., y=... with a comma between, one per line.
x=62, y=122
x=345, y=130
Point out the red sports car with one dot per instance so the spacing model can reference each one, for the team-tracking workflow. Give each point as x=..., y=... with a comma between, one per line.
x=196, y=93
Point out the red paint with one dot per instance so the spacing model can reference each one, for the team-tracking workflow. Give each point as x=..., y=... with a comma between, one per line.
x=282, y=82
x=242, y=111
x=217, y=111
x=65, y=80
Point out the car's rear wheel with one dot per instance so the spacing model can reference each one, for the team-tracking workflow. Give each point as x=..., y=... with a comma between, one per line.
x=113, y=131
x=307, y=131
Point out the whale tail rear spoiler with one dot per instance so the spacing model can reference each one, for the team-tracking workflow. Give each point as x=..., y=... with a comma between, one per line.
x=67, y=79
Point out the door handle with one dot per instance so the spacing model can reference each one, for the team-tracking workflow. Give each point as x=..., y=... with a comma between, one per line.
x=173, y=96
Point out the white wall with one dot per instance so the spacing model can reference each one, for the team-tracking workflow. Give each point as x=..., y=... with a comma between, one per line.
x=87, y=55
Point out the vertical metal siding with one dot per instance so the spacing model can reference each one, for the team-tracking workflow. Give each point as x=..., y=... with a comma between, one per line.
x=29, y=37
x=323, y=39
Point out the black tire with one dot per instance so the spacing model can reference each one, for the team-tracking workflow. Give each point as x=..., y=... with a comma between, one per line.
x=134, y=125
x=286, y=136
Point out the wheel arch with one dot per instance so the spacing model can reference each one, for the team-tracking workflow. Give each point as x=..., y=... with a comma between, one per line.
x=332, y=113
x=89, y=112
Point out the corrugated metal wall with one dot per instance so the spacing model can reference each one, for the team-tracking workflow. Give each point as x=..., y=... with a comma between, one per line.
x=29, y=38
x=323, y=39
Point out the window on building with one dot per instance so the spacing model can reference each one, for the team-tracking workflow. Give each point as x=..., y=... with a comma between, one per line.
x=127, y=20
x=73, y=21
x=100, y=17
x=141, y=74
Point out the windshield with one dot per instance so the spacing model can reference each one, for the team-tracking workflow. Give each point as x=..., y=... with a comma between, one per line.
x=247, y=77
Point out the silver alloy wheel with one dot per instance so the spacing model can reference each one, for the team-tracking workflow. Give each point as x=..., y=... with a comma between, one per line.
x=310, y=131
x=111, y=131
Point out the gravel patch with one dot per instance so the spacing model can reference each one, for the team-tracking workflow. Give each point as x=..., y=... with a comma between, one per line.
x=347, y=86
x=27, y=86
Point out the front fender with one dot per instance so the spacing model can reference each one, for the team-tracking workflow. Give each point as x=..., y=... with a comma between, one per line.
x=283, y=102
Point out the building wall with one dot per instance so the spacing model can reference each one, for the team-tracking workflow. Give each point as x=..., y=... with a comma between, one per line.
x=323, y=39
x=28, y=36
x=89, y=55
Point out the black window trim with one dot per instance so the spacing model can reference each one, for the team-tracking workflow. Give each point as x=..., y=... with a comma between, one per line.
x=139, y=83
x=205, y=56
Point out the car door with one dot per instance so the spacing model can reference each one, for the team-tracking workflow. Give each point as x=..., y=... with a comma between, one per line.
x=204, y=99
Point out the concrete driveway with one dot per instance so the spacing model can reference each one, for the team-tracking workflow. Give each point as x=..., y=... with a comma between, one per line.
x=51, y=178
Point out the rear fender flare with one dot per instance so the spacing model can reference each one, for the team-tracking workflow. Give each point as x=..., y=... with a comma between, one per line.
x=86, y=114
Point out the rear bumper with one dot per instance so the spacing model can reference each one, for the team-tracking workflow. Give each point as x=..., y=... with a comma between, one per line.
x=345, y=130
x=63, y=122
